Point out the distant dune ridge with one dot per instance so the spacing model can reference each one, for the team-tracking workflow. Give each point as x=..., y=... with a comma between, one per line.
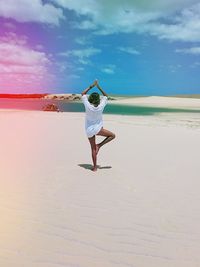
x=154, y=101
x=71, y=97
x=22, y=95
x=63, y=96
x=192, y=102
x=161, y=101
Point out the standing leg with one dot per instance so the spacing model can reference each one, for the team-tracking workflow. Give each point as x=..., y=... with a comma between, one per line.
x=94, y=154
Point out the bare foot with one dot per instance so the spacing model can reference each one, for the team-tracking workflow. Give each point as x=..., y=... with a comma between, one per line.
x=97, y=148
x=94, y=169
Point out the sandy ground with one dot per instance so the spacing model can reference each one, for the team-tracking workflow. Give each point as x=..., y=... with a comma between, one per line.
x=140, y=209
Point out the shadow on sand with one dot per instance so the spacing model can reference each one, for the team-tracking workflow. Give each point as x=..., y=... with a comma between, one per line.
x=89, y=166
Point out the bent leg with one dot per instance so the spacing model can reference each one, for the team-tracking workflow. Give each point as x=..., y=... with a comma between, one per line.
x=109, y=137
x=94, y=154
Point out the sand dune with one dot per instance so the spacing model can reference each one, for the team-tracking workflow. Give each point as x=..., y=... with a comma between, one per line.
x=160, y=101
x=141, y=208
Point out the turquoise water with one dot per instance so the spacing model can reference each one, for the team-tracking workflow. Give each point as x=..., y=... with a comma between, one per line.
x=38, y=104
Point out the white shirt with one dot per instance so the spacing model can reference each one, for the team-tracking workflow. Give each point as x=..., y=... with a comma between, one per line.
x=93, y=119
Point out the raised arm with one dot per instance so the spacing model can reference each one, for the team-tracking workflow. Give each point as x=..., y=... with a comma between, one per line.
x=90, y=87
x=98, y=86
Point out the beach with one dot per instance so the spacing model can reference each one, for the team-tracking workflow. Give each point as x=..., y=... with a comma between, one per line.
x=161, y=101
x=140, y=209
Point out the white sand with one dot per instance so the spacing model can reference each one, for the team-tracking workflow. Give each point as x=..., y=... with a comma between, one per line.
x=161, y=101
x=140, y=209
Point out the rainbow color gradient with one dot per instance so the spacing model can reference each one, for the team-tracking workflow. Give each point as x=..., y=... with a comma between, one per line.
x=132, y=47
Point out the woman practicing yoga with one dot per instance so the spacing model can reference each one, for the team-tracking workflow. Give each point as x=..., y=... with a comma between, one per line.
x=94, y=107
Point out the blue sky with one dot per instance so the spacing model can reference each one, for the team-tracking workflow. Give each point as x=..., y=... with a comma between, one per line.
x=131, y=46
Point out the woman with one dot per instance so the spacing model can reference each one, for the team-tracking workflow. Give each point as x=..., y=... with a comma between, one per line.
x=93, y=122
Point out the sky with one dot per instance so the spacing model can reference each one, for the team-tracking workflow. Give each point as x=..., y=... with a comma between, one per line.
x=135, y=47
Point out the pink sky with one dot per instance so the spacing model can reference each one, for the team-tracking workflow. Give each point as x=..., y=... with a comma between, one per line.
x=22, y=67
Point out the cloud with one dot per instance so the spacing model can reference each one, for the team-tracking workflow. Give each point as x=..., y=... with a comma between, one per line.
x=109, y=9
x=129, y=50
x=183, y=27
x=13, y=38
x=83, y=55
x=82, y=40
x=16, y=55
x=22, y=67
x=31, y=11
x=191, y=50
x=174, y=68
x=172, y=20
x=84, y=25
x=109, y=69
x=195, y=65
x=73, y=76
x=90, y=7
x=9, y=25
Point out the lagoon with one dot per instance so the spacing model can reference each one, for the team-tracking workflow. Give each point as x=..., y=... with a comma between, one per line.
x=111, y=108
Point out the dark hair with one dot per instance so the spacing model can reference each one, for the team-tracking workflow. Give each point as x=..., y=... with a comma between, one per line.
x=94, y=99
